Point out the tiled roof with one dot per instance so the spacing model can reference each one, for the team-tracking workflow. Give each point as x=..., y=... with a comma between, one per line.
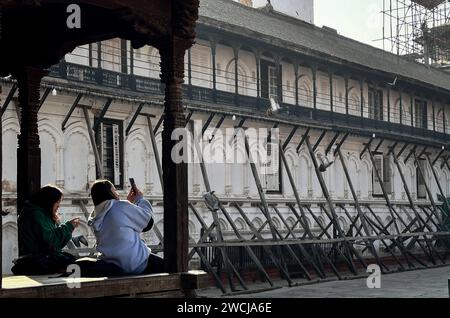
x=284, y=31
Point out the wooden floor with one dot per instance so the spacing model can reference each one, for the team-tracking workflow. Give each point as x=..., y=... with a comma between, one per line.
x=157, y=285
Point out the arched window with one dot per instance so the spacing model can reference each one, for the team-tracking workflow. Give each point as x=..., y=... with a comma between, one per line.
x=242, y=78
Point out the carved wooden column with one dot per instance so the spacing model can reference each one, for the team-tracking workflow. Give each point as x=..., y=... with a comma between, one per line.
x=28, y=153
x=1, y=201
x=174, y=175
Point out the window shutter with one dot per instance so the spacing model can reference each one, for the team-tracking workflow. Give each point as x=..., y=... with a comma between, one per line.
x=375, y=183
x=421, y=190
x=387, y=174
x=264, y=79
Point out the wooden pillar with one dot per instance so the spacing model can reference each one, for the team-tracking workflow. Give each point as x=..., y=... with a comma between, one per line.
x=389, y=105
x=444, y=119
x=296, y=70
x=346, y=93
x=258, y=74
x=236, y=74
x=189, y=73
x=28, y=153
x=214, y=68
x=176, y=237
x=433, y=103
x=330, y=74
x=279, y=80
x=1, y=205
x=314, y=75
x=401, y=106
x=361, y=87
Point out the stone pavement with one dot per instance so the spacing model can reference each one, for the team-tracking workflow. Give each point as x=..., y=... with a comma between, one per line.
x=425, y=283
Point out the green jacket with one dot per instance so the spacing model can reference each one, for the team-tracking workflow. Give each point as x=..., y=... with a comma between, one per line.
x=39, y=234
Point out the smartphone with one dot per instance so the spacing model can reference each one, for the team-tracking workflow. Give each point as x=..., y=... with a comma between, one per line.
x=133, y=184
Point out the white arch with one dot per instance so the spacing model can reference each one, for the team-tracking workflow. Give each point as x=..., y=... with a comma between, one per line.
x=137, y=160
x=354, y=103
x=365, y=178
x=48, y=125
x=276, y=222
x=79, y=163
x=223, y=225
x=304, y=91
x=230, y=76
x=240, y=224
x=51, y=141
x=290, y=221
x=10, y=245
x=257, y=222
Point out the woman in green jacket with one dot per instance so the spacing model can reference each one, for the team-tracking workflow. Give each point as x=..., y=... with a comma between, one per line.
x=41, y=238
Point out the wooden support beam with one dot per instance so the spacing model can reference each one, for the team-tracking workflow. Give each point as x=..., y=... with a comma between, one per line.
x=297, y=198
x=317, y=144
x=306, y=134
x=133, y=119
x=72, y=109
x=395, y=241
x=8, y=99
x=265, y=208
x=331, y=144
x=392, y=148
x=240, y=125
x=228, y=265
x=257, y=234
x=98, y=160
x=159, y=123
x=411, y=152
x=269, y=135
x=379, y=145
x=402, y=150
x=393, y=212
x=341, y=143
x=249, y=251
x=289, y=249
x=100, y=117
x=445, y=162
x=189, y=116
x=412, y=205
x=436, y=178
x=155, y=149
x=208, y=122
x=423, y=152
x=366, y=146
x=438, y=156
x=324, y=188
x=216, y=129
x=44, y=97
x=289, y=138
x=358, y=207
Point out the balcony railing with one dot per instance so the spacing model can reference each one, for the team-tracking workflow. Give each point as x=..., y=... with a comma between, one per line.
x=338, y=115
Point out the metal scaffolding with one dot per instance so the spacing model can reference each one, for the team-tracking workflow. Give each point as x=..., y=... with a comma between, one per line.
x=418, y=29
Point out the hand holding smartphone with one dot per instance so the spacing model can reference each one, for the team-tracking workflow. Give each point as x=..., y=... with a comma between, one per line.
x=133, y=185
x=134, y=192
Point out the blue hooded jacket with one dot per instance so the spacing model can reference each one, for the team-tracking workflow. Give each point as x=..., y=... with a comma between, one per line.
x=117, y=226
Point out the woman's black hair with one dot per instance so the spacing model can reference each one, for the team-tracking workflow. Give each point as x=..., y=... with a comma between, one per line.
x=102, y=191
x=46, y=197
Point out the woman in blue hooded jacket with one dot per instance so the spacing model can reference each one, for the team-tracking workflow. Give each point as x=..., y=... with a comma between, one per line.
x=117, y=225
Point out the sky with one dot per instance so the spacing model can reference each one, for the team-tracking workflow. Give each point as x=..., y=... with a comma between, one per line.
x=361, y=20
